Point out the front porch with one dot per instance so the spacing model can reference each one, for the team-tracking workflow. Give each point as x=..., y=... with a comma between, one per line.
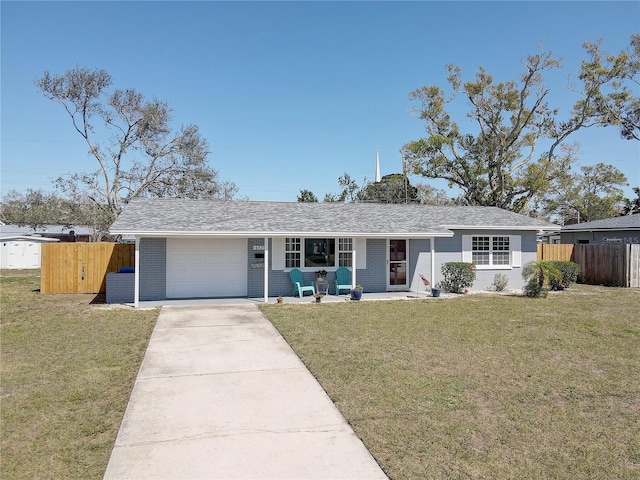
x=366, y=297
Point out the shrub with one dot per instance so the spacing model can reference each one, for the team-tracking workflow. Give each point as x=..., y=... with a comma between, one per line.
x=569, y=271
x=457, y=276
x=539, y=276
x=500, y=282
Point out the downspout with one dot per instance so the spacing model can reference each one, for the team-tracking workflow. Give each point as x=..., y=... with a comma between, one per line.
x=136, y=274
x=266, y=270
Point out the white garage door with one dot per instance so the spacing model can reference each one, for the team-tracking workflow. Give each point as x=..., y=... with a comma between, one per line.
x=205, y=268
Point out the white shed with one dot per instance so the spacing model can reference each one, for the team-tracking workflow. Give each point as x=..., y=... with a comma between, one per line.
x=20, y=252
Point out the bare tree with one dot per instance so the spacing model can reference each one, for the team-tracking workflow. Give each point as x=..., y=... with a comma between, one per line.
x=137, y=152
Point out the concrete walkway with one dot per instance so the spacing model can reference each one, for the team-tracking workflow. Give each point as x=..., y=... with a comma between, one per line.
x=220, y=394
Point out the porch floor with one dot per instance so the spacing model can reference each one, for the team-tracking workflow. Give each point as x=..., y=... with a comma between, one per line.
x=366, y=297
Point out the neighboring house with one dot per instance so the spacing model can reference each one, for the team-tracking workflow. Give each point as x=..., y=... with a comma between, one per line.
x=205, y=249
x=63, y=233
x=19, y=251
x=617, y=230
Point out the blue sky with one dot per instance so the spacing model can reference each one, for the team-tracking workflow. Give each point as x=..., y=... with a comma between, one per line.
x=289, y=95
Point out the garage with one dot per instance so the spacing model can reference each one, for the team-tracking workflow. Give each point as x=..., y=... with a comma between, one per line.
x=206, y=267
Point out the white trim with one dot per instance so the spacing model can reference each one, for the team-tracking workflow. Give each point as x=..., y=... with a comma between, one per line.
x=136, y=274
x=266, y=269
x=530, y=228
x=515, y=251
x=433, y=260
x=406, y=262
x=360, y=261
x=252, y=234
x=353, y=271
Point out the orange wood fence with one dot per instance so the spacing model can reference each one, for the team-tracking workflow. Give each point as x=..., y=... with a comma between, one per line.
x=557, y=251
x=611, y=265
x=81, y=267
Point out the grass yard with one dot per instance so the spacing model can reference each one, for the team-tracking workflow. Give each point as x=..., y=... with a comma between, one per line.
x=483, y=386
x=67, y=370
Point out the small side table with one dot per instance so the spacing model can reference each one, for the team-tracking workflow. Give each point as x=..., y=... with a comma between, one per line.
x=322, y=286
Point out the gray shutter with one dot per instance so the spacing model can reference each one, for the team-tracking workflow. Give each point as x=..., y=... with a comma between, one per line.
x=516, y=250
x=466, y=249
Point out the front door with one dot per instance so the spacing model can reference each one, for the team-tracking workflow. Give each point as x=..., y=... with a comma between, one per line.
x=397, y=261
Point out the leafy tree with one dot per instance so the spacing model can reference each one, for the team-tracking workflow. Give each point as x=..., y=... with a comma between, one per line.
x=37, y=209
x=350, y=188
x=428, y=195
x=137, y=152
x=606, y=78
x=593, y=194
x=307, y=196
x=498, y=165
x=632, y=206
x=392, y=188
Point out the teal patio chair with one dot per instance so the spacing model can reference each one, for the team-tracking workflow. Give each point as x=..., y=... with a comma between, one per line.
x=299, y=285
x=343, y=279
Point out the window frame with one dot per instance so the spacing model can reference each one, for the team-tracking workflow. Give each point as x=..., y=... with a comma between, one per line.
x=301, y=242
x=493, y=246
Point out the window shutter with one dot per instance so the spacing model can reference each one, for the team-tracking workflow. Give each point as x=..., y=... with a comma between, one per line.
x=277, y=253
x=361, y=253
x=466, y=249
x=516, y=253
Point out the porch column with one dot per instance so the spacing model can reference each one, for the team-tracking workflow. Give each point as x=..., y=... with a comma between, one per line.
x=353, y=273
x=432, y=241
x=266, y=269
x=136, y=274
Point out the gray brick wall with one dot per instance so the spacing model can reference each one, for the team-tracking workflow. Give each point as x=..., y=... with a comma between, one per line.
x=153, y=269
x=120, y=287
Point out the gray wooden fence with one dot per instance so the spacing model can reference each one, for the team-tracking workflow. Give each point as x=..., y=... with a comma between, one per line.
x=611, y=265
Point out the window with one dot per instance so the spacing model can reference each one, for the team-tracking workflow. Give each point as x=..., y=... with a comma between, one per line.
x=492, y=251
x=292, y=252
x=318, y=252
x=480, y=250
x=345, y=252
x=500, y=251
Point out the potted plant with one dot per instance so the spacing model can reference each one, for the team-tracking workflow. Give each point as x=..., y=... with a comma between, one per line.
x=356, y=293
x=321, y=274
x=318, y=297
x=435, y=291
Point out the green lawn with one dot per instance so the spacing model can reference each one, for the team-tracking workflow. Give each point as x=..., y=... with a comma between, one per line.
x=483, y=386
x=67, y=370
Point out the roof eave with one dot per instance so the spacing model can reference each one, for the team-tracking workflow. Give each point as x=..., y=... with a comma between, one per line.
x=196, y=233
x=539, y=228
x=601, y=229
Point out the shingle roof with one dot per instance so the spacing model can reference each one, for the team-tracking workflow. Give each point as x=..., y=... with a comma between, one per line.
x=144, y=216
x=626, y=222
x=183, y=216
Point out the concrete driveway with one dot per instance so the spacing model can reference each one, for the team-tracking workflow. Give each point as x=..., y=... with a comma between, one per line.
x=220, y=394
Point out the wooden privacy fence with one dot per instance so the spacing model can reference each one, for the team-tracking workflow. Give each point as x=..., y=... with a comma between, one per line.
x=611, y=265
x=81, y=267
x=556, y=251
